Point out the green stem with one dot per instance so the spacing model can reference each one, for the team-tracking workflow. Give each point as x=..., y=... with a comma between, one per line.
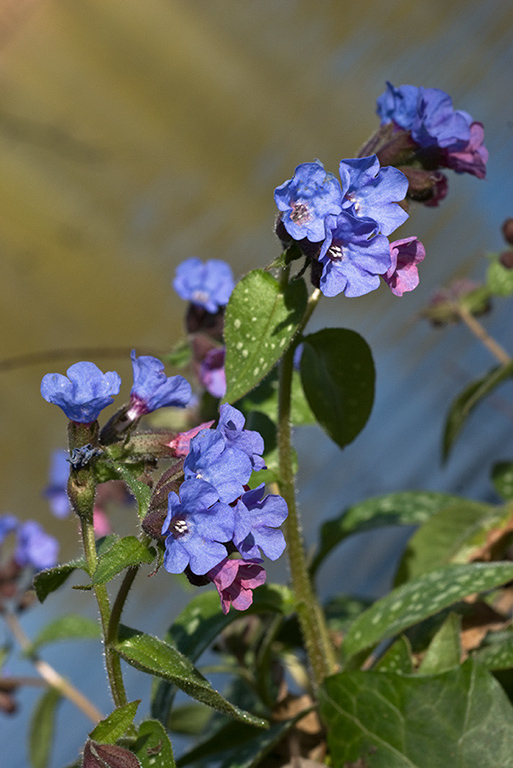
x=112, y=660
x=312, y=620
x=119, y=602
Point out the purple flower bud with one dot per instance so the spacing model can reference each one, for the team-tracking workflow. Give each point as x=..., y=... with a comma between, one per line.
x=211, y=373
x=235, y=580
x=306, y=200
x=83, y=393
x=152, y=389
x=403, y=275
x=470, y=158
x=34, y=547
x=207, y=285
x=182, y=442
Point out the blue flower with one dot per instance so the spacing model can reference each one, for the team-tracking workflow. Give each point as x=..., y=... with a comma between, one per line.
x=373, y=192
x=306, y=200
x=34, y=547
x=257, y=522
x=211, y=459
x=231, y=426
x=83, y=393
x=57, y=490
x=207, y=285
x=351, y=262
x=152, y=389
x=195, y=527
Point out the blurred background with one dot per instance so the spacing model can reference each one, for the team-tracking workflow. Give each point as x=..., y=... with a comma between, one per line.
x=134, y=135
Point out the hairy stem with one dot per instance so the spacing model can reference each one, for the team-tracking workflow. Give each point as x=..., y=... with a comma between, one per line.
x=112, y=660
x=311, y=616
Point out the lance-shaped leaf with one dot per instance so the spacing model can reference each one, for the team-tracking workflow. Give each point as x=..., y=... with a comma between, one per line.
x=115, y=725
x=42, y=727
x=260, y=322
x=499, y=653
x=420, y=598
x=467, y=401
x=398, y=658
x=384, y=720
x=155, y=657
x=444, y=651
x=70, y=627
x=201, y=621
x=337, y=372
x=408, y=508
x=124, y=553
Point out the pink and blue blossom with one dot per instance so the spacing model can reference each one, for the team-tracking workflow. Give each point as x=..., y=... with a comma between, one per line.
x=210, y=458
x=235, y=581
x=152, y=389
x=403, y=274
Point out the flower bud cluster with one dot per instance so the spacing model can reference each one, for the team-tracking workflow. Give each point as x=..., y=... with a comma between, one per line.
x=214, y=514
x=421, y=132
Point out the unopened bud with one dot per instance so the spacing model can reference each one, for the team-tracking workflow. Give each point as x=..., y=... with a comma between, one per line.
x=507, y=231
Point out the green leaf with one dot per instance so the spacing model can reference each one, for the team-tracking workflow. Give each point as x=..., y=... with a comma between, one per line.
x=124, y=553
x=444, y=651
x=439, y=540
x=409, y=508
x=498, y=654
x=337, y=372
x=155, y=657
x=499, y=279
x=502, y=478
x=115, y=725
x=179, y=356
x=46, y=582
x=420, y=598
x=467, y=400
x=189, y=719
x=460, y=718
x=70, y=627
x=264, y=399
x=398, y=658
x=42, y=726
x=153, y=747
x=260, y=323
x=202, y=620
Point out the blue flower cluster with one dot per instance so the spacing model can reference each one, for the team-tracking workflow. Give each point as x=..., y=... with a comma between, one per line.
x=34, y=548
x=351, y=219
x=214, y=512
x=86, y=391
x=452, y=138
